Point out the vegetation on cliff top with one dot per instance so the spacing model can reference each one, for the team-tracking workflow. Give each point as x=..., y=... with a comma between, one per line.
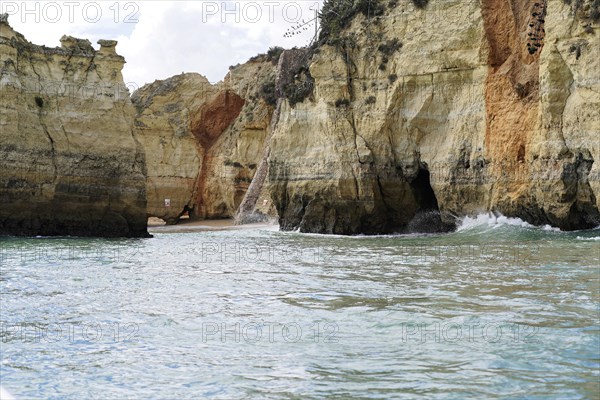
x=272, y=55
x=336, y=15
x=295, y=89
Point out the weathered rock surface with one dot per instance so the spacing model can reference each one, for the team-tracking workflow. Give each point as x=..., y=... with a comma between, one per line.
x=404, y=121
x=173, y=154
x=69, y=161
x=459, y=119
x=256, y=205
x=203, y=142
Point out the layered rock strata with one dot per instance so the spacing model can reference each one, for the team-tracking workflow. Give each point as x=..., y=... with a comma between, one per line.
x=400, y=119
x=70, y=162
x=421, y=115
x=204, y=142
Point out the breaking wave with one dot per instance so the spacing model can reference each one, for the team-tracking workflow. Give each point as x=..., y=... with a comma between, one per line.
x=491, y=220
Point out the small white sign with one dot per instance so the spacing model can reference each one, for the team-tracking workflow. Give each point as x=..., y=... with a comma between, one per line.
x=167, y=202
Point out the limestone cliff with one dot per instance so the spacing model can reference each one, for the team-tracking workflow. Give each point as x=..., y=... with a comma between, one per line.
x=402, y=117
x=203, y=142
x=422, y=114
x=69, y=161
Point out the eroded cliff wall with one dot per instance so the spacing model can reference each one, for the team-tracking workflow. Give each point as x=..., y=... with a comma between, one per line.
x=203, y=142
x=70, y=163
x=401, y=118
x=420, y=115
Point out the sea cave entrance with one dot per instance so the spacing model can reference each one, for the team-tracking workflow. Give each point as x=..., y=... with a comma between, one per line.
x=423, y=192
x=186, y=214
x=427, y=218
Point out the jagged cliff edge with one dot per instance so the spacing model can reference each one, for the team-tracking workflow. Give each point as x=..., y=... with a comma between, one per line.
x=402, y=121
x=422, y=115
x=70, y=162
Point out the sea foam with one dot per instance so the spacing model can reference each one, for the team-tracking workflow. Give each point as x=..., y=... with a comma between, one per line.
x=496, y=220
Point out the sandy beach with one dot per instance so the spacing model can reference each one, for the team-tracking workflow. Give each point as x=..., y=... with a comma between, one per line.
x=158, y=226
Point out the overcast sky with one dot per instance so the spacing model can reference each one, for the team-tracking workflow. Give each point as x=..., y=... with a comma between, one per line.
x=160, y=39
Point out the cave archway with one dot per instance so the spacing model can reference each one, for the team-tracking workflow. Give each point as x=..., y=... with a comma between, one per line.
x=423, y=192
x=185, y=215
x=427, y=219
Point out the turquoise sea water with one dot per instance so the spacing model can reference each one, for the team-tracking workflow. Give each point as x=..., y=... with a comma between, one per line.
x=497, y=309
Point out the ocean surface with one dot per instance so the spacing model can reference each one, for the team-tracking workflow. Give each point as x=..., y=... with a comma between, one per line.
x=497, y=310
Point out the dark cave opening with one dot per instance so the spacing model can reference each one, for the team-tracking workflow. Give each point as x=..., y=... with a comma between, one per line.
x=186, y=214
x=428, y=218
x=423, y=191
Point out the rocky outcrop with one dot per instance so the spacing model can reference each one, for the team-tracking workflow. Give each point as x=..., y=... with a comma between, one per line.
x=420, y=115
x=174, y=155
x=70, y=163
x=256, y=205
x=204, y=142
x=564, y=150
x=546, y=149
x=400, y=119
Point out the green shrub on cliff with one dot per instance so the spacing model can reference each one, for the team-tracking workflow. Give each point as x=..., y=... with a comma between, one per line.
x=336, y=15
x=274, y=53
x=267, y=93
x=595, y=13
x=343, y=43
x=300, y=89
x=370, y=8
x=420, y=3
x=390, y=47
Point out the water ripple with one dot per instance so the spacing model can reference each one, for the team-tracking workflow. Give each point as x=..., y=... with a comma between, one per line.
x=495, y=310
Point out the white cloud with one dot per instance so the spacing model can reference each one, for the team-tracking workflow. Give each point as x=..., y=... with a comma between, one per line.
x=170, y=37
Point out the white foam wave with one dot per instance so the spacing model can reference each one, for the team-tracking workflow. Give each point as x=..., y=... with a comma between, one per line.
x=4, y=395
x=595, y=238
x=496, y=220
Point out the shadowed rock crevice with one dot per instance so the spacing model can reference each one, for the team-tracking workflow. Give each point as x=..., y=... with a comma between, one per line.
x=428, y=217
x=423, y=192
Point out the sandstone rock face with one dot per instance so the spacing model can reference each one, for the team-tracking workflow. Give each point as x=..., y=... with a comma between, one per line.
x=174, y=155
x=70, y=163
x=423, y=115
x=256, y=205
x=203, y=142
x=565, y=146
x=403, y=122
